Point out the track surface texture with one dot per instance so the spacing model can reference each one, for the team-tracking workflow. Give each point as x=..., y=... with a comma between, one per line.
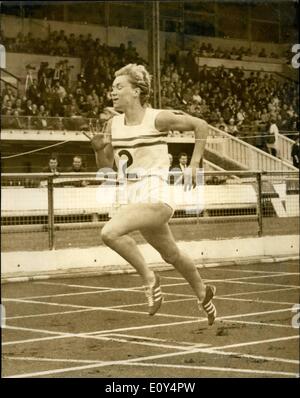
x=99, y=326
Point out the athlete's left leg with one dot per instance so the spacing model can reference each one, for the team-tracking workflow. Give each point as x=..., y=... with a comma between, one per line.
x=161, y=238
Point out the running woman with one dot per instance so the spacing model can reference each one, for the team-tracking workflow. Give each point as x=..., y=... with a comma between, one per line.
x=139, y=134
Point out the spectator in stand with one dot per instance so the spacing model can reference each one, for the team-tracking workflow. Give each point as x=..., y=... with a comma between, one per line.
x=262, y=53
x=222, y=125
x=81, y=103
x=33, y=92
x=8, y=95
x=28, y=108
x=194, y=108
x=295, y=152
x=94, y=113
x=7, y=106
x=34, y=110
x=227, y=114
x=42, y=119
x=265, y=117
x=34, y=121
x=18, y=106
x=70, y=103
x=77, y=165
x=182, y=161
x=232, y=128
x=59, y=90
x=17, y=122
x=7, y=121
x=272, y=137
x=52, y=166
x=240, y=116
x=57, y=108
x=95, y=97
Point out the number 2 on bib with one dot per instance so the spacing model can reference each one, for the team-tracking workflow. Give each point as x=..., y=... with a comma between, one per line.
x=125, y=162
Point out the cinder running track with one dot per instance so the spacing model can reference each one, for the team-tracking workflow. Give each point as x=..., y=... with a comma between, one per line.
x=99, y=326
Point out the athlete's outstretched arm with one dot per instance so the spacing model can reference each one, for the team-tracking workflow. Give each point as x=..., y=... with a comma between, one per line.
x=167, y=120
x=101, y=143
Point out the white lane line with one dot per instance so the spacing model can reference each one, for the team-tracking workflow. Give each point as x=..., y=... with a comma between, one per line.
x=49, y=359
x=137, y=360
x=215, y=369
x=102, y=337
x=95, y=291
x=99, y=308
x=49, y=314
x=242, y=282
x=272, y=275
x=189, y=297
x=258, y=291
x=126, y=311
x=97, y=333
x=56, y=335
x=250, y=277
x=258, y=283
x=278, y=325
x=93, y=309
x=140, y=290
x=36, y=340
x=143, y=343
x=168, y=365
x=127, y=329
x=212, y=350
x=259, y=272
x=256, y=301
x=64, y=294
x=137, y=288
x=262, y=358
x=180, y=278
x=248, y=343
x=182, y=343
x=72, y=285
x=194, y=351
x=237, y=355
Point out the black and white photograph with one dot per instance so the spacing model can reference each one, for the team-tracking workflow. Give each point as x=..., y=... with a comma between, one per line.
x=150, y=192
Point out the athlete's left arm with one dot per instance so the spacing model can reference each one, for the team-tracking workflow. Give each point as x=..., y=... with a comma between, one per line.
x=167, y=120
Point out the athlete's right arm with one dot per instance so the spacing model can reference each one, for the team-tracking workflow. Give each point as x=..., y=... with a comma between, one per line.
x=101, y=144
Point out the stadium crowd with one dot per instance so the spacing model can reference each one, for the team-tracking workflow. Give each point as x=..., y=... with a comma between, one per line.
x=207, y=50
x=232, y=100
x=60, y=43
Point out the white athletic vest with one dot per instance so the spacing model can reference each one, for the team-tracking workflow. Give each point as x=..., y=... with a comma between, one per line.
x=140, y=150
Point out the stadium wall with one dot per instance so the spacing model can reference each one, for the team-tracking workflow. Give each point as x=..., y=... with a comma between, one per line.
x=18, y=266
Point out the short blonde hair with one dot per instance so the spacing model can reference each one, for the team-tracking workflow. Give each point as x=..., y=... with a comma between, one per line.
x=139, y=77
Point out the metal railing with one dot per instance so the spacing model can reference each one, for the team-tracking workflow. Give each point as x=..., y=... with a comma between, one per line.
x=246, y=155
x=285, y=147
x=56, y=209
x=9, y=78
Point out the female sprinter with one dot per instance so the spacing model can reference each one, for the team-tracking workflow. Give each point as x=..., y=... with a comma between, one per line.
x=139, y=133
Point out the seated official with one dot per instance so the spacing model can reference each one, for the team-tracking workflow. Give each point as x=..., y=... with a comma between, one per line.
x=77, y=167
